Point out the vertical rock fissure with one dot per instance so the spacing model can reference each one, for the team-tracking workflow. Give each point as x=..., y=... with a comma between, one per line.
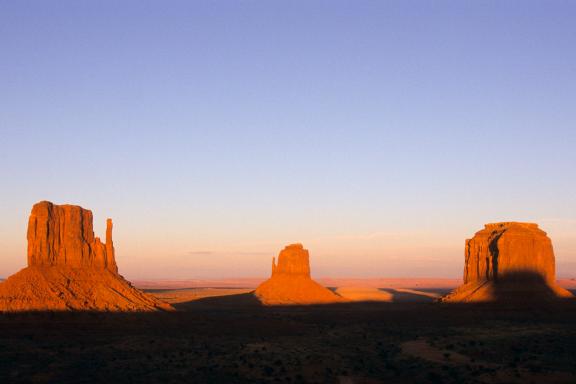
x=511, y=260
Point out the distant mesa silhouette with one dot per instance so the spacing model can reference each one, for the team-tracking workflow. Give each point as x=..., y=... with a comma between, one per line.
x=291, y=284
x=69, y=268
x=509, y=262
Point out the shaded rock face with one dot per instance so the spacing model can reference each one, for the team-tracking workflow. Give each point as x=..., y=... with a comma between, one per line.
x=508, y=248
x=505, y=261
x=69, y=268
x=291, y=284
x=62, y=235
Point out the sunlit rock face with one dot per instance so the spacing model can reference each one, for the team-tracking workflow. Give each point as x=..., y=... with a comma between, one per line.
x=62, y=235
x=508, y=261
x=293, y=260
x=69, y=268
x=290, y=283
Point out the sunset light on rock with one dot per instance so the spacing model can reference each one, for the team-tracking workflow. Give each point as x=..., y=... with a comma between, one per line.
x=240, y=192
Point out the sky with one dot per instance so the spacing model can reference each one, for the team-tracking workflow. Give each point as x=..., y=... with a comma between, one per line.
x=380, y=134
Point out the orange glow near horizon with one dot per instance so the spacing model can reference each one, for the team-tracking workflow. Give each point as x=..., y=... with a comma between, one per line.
x=371, y=255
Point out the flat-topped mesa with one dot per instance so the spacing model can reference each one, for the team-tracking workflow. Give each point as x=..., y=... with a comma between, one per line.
x=63, y=235
x=507, y=224
x=502, y=249
x=509, y=261
x=291, y=284
x=293, y=260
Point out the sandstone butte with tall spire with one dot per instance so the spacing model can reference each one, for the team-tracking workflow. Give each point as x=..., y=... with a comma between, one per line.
x=291, y=284
x=69, y=268
x=509, y=262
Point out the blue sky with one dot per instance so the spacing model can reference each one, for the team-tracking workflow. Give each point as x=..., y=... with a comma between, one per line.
x=380, y=134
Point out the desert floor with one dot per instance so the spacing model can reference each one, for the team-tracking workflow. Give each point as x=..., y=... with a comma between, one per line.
x=226, y=336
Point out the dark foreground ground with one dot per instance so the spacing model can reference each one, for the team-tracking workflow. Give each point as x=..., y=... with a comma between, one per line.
x=234, y=340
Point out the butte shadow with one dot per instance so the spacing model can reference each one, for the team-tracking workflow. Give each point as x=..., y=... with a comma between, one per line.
x=70, y=269
x=509, y=262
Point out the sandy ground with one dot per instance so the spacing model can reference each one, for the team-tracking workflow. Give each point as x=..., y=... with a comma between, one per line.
x=355, y=294
x=253, y=282
x=419, y=284
x=364, y=294
x=176, y=296
x=381, y=290
x=432, y=295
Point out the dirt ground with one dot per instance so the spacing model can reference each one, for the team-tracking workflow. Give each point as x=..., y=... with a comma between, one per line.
x=233, y=339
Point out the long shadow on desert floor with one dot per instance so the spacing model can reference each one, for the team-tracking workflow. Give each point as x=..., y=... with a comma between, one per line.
x=235, y=340
x=227, y=299
x=243, y=300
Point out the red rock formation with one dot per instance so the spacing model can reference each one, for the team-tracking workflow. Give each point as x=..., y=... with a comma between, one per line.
x=69, y=268
x=290, y=282
x=508, y=261
x=62, y=235
x=293, y=260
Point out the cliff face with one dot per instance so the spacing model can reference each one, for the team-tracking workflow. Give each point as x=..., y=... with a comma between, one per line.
x=502, y=249
x=62, y=235
x=69, y=268
x=505, y=259
x=292, y=260
x=290, y=283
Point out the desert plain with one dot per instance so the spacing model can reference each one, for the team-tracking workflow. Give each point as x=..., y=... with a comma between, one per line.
x=224, y=335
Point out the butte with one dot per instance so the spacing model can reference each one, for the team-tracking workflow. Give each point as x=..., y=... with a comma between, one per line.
x=509, y=262
x=70, y=269
x=291, y=284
